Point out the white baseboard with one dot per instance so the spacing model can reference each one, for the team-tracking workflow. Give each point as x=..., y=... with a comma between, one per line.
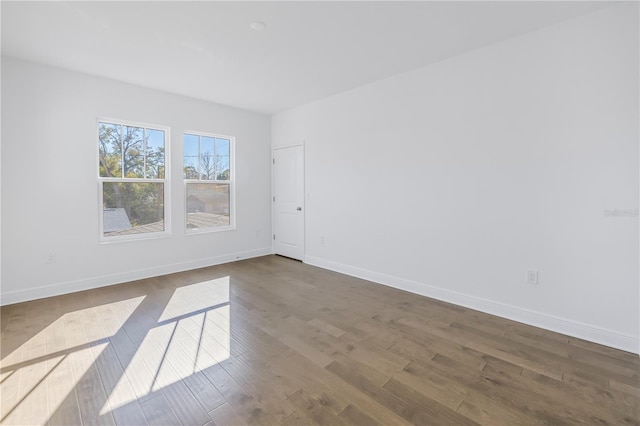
x=106, y=280
x=537, y=319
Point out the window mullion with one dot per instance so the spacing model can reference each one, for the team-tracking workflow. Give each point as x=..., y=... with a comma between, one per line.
x=215, y=160
x=121, y=152
x=199, y=157
x=144, y=152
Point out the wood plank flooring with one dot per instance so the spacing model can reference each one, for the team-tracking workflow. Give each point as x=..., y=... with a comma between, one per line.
x=272, y=341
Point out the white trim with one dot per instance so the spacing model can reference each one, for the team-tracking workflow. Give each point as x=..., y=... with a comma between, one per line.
x=107, y=280
x=293, y=145
x=569, y=327
x=207, y=134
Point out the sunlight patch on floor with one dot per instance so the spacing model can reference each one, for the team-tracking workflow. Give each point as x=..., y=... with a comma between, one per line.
x=44, y=372
x=190, y=299
x=38, y=389
x=192, y=334
x=115, y=353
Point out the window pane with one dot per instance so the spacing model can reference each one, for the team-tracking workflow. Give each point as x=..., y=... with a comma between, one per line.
x=132, y=208
x=110, y=159
x=133, y=149
x=222, y=160
x=207, y=158
x=207, y=205
x=190, y=150
x=155, y=154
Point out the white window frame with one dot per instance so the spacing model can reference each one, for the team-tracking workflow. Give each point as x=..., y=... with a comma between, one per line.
x=231, y=182
x=166, y=182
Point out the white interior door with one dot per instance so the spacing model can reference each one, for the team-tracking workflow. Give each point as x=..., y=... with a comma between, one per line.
x=288, y=200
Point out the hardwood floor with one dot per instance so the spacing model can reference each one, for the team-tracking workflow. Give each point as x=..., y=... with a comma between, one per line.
x=273, y=341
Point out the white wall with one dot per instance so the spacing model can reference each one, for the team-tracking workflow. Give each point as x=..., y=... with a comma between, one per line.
x=50, y=190
x=455, y=179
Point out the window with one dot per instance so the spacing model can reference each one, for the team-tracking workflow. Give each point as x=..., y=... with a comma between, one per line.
x=133, y=180
x=208, y=176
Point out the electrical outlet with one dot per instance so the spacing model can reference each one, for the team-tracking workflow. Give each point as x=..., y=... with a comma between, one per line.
x=322, y=239
x=532, y=277
x=51, y=258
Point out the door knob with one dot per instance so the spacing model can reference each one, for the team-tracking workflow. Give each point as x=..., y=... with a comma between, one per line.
x=299, y=209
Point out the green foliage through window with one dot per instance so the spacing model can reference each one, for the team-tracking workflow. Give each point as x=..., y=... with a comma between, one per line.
x=132, y=170
x=131, y=152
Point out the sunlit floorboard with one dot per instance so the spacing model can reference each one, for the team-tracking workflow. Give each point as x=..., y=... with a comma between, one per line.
x=273, y=341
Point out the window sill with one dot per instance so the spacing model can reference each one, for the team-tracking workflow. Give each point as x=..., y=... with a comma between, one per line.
x=198, y=231
x=139, y=237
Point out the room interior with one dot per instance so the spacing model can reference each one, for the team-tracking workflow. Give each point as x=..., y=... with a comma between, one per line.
x=467, y=242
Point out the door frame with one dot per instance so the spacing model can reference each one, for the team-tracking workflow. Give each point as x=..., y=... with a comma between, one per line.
x=304, y=197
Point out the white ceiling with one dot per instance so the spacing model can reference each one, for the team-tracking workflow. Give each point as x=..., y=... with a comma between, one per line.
x=308, y=51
